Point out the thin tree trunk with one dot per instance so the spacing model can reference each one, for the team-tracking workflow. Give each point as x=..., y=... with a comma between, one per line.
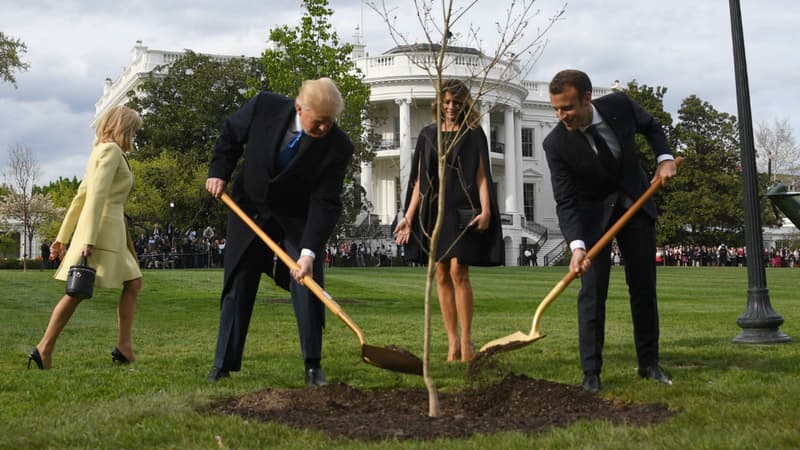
x=433, y=394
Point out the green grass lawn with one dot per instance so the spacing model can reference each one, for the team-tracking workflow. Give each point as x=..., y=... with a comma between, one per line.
x=726, y=395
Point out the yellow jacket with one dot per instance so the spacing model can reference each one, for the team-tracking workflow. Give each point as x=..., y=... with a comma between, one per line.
x=96, y=217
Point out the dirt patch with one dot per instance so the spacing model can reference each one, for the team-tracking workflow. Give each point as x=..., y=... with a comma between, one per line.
x=516, y=403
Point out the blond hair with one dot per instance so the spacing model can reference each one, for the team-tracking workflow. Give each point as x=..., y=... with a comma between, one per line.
x=321, y=96
x=118, y=125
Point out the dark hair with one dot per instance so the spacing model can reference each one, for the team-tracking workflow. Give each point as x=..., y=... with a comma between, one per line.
x=468, y=115
x=571, y=77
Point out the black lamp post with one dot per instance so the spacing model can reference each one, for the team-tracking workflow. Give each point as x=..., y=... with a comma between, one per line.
x=760, y=323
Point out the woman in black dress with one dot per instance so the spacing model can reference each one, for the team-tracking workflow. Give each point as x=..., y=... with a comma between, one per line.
x=471, y=231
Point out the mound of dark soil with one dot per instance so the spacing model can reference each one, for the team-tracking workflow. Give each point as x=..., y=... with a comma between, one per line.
x=517, y=403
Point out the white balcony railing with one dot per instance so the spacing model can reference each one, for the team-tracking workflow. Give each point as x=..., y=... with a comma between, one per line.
x=456, y=65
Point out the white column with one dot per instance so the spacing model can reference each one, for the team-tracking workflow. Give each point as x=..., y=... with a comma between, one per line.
x=486, y=122
x=366, y=182
x=518, y=157
x=541, y=132
x=510, y=162
x=405, y=144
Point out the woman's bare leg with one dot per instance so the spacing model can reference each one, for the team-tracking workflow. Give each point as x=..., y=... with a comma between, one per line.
x=447, y=304
x=125, y=313
x=459, y=275
x=58, y=320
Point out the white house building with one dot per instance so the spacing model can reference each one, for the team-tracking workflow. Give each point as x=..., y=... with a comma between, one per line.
x=516, y=116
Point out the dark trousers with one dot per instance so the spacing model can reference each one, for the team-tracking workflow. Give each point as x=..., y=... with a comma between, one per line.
x=238, y=298
x=637, y=243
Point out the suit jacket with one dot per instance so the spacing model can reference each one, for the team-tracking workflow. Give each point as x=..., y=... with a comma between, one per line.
x=584, y=191
x=304, y=200
x=96, y=217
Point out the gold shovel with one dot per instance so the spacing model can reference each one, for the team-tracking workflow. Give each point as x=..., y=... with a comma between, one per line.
x=520, y=339
x=391, y=358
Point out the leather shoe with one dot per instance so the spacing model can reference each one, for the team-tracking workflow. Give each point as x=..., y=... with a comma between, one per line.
x=315, y=377
x=591, y=383
x=217, y=374
x=654, y=372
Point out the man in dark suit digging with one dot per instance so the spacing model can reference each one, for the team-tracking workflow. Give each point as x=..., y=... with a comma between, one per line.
x=596, y=176
x=290, y=183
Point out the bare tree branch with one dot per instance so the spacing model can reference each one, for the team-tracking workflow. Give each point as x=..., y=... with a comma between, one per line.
x=20, y=204
x=777, y=151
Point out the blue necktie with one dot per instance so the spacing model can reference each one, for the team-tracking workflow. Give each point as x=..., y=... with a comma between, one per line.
x=288, y=152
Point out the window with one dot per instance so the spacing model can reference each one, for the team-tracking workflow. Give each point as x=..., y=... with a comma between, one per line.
x=396, y=137
x=527, y=142
x=528, y=196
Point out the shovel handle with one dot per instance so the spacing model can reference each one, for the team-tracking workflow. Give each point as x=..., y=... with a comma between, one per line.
x=307, y=280
x=622, y=221
x=599, y=246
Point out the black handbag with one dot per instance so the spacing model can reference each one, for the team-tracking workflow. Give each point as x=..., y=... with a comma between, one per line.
x=80, y=280
x=465, y=216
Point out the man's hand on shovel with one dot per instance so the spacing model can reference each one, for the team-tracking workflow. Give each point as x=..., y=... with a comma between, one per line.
x=305, y=264
x=579, y=262
x=666, y=170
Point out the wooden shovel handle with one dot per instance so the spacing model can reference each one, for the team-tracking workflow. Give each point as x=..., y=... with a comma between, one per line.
x=622, y=221
x=599, y=246
x=308, y=281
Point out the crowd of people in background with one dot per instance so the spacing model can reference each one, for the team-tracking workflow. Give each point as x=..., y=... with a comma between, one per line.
x=721, y=255
x=363, y=253
x=159, y=250
x=170, y=249
x=163, y=250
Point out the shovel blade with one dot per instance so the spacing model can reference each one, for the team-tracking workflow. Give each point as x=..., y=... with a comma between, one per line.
x=392, y=358
x=511, y=342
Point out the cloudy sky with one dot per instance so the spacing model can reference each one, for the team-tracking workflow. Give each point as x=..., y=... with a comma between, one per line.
x=685, y=45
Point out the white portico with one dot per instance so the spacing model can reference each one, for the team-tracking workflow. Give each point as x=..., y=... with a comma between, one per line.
x=515, y=114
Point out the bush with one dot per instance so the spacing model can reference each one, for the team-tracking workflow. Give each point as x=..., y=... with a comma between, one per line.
x=16, y=263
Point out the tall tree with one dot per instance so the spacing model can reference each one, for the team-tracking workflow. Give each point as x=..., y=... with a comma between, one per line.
x=11, y=51
x=704, y=205
x=777, y=151
x=651, y=99
x=34, y=212
x=30, y=209
x=183, y=106
x=164, y=180
x=60, y=192
x=312, y=50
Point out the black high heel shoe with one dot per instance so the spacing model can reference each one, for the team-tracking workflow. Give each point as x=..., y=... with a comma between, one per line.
x=35, y=357
x=117, y=356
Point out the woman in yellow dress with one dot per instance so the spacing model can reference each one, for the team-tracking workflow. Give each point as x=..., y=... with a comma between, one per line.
x=95, y=226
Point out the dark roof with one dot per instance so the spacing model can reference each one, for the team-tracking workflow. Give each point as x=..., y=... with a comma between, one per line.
x=432, y=48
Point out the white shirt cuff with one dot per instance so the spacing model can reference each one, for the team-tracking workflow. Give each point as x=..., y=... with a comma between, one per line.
x=577, y=244
x=307, y=252
x=664, y=158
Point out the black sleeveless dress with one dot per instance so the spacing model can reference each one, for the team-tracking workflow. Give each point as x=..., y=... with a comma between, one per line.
x=462, y=200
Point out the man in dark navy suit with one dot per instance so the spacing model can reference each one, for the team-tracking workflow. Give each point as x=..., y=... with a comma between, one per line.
x=290, y=183
x=596, y=175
